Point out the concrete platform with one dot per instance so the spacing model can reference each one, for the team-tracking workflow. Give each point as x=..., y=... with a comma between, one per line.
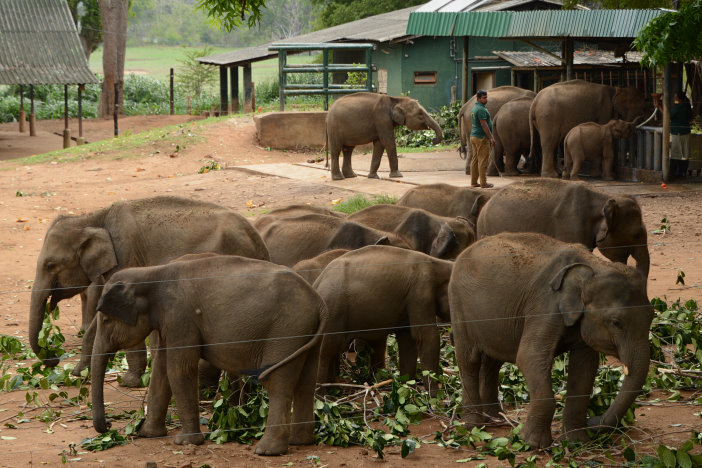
x=429, y=168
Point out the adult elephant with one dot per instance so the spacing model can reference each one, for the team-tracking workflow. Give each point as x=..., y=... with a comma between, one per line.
x=497, y=97
x=512, y=136
x=560, y=107
x=362, y=118
x=80, y=253
x=446, y=200
x=293, y=211
x=593, y=142
x=545, y=298
x=291, y=240
x=437, y=236
x=242, y=315
x=570, y=212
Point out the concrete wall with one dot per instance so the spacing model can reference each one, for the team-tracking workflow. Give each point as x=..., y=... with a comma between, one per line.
x=291, y=130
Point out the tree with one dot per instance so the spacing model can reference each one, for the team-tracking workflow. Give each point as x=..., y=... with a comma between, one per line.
x=336, y=12
x=86, y=15
x=673, y=37
x=230, y=14
x=195, y=76
x=113, y=14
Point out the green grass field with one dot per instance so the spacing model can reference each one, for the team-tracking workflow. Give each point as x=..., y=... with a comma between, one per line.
x=156, y=61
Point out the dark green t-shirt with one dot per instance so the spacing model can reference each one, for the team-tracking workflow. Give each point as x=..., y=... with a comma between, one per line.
x=680, y=116
x=478, y=113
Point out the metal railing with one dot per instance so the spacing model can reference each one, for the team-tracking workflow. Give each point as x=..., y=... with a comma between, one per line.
x=325, y=88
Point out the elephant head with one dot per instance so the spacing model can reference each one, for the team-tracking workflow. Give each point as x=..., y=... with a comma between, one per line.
x=622, y=128
x=73, y=256
x=614, y=315
x=629, y=103
x=408, y=112
x=622, y=233
x=123, y=322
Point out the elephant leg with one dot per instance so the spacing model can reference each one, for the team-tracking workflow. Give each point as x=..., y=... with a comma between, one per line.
x=136, y=359
x=280, y=397
x=346, y=167
x=536, y=367
x=582, y=370
x=182, y=375
x=208, y=375
x=548, y=152
x=511, y=161
x=494, y=164
x=577, y=164
x=429, y=344
x=86, y=351
x=302, y=430
x=378, y=149
x=335, y=150
x=489, y=381
x=469, y=358
x=407, y=349
x=159, y=395
x=378, y=358
x=391, y=148
x=332, y=346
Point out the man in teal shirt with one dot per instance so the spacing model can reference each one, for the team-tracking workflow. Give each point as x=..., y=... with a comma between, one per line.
x=481, y=141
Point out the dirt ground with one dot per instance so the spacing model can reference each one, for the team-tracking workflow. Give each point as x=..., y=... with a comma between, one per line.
x=32, y=195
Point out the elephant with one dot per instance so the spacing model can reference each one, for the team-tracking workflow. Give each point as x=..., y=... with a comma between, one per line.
x=311, y=268
x=560, y=107
x=437, y=236
x=293, y=211
x=361, y=118
x=185, y=304
x=570, y=212
x=546, y=297
x=497, y=97
x=446, y=200
x=81, y=252
x=290, y=240
x=594, y=142
x=515, y=140
x=378, y=290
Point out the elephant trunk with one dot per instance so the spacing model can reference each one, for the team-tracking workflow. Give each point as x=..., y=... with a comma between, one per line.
x=643, y=260
x=37, y=308
x=637, y=363
x=98, y=364
x=433, y=125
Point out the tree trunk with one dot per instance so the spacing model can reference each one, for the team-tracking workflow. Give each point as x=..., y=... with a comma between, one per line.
x=114, y=24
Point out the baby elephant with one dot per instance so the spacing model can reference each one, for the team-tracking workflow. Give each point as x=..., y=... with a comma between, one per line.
x=526, y=298
x=593, y=142
x=244, y=316
x=378, y=290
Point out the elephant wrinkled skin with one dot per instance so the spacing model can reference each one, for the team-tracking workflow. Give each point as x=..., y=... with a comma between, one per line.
x=593, y=142
x=371, y=291
x=186, y=314
x=447, y=200
x=361, y=118
x=81, y=252
x=543, y=299
x=570, y=212
x=560, y=107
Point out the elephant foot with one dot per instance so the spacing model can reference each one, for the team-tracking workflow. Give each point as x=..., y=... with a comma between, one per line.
x=565, y=176
x=492, y=172
x=78, y=370
x=152, y=430
x=302, y=436
x=349, y=174
x=271, y=446
x=608, y=178
x=474, y=419
x=185, y=439
x=131, y=380
x=552, y=174
x=395, y=174
x=511, y=172
x=537, y=437
x=373, y=175
x=576, y=435
x=337, y=176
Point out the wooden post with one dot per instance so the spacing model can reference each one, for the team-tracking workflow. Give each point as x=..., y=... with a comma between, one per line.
x=22, y=117
x=247, y=88
x=234, y=85
x=32, y=117
x=80, y=140
x=465, y=85
x=172, y=105
x=66, y=130
x=223, y=91
x=667, y=102
x=116, y=108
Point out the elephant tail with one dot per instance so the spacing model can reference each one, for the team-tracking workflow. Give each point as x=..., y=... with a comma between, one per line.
x=326, y=145
x=316, y=338
x=462, y=152
x=533, y=132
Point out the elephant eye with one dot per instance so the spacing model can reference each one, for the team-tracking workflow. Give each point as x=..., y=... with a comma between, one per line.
x=50, y=266
x=617, y=323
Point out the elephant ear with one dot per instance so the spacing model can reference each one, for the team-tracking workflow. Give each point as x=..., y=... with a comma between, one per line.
x=397, y=114
x=444, y=242
x=96, y=253
x=568, y=285
x=608, y=210
x=477, y=207
x=118, y=301
x=383, y=241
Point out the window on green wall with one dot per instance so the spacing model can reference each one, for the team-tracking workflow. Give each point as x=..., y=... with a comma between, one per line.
x=425, y=78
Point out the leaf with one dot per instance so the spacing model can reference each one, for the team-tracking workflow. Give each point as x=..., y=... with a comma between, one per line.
x=666, y=456
x=683, y=459
x=408, y=446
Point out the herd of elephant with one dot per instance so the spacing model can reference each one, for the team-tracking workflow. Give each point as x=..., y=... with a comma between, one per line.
x=585, y=117
x=280, y=298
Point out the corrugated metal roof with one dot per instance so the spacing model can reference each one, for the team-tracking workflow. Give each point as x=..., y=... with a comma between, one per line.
x=615, y=24
x=534, y=59
x=448, y=6
x=39, y=44
x=379, y=28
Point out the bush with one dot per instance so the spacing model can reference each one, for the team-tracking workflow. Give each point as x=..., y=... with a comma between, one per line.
x=447, y=118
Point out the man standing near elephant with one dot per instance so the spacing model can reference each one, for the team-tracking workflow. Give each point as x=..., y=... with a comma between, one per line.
x=481, y=140
x=681, y=116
